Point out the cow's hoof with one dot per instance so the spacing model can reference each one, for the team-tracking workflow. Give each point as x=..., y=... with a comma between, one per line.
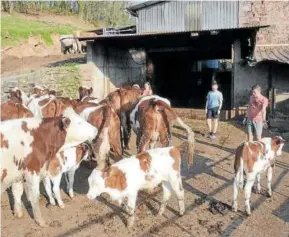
x=129, y=224
x=269, y=194
x=18, y=214
x=71, y=194
x=182, y=213
x=52, y=202
x=234, y=209
x=41, y=223
x=248, y=213
x=61, y=205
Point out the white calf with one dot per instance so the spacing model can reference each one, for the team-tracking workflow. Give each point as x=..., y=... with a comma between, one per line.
x=143, y=171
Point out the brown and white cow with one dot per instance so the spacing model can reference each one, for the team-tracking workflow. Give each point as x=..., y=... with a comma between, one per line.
x=122, y=101
x=106, y=120
x=12, y=110
x=15, y=107
x=253, y=158
x=48, y=105
x=85, y=95
x=27, y=148
x=146, y=170
x=151, y=118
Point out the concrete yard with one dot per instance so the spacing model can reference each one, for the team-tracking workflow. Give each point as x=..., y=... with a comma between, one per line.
x=209, y=179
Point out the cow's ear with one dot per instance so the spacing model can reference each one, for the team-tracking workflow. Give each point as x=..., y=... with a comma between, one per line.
x=90, y=90
x=18, y=93
x=65, y=123
x=80, y=88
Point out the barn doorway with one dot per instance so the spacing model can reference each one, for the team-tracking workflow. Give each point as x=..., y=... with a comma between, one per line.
x=186, y=81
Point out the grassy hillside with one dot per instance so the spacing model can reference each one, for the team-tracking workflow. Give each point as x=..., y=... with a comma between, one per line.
x=16, y=29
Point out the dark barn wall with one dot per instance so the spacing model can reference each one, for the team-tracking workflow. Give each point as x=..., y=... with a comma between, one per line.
x=113, y=67
x=245, y=77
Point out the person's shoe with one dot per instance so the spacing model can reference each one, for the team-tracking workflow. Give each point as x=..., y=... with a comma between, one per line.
x=213, y=136
x=209, y=135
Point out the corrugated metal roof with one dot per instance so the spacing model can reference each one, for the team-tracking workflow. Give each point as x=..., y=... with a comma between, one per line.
x=185, y=15
x=169, y=33
x=279, y=53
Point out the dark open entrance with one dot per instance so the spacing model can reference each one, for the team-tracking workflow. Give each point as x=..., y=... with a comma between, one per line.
x=186, y=80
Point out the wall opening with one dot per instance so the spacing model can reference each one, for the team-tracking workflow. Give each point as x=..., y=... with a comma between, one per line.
x=186, y=80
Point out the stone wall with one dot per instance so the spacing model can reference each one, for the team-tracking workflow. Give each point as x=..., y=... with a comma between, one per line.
x=112, y=67
x=66, y=78
x=273, y=13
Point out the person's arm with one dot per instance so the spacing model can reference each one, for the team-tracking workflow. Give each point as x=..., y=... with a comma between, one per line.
x=264, y=107
x=220, y=102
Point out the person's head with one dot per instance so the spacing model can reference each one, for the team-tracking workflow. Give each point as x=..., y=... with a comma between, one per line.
x=147, y=86
x=214, y=86
x=256, y=90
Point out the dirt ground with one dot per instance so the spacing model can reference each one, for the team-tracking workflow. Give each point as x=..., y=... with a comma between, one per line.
x=209, y=179
x=11, y=65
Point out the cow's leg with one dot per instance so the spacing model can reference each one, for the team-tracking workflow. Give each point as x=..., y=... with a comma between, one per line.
x=167, y=191
x=164, y=138
x=235, y=193
x=153, y=143
x=131, y=201
x=269, y=180
x=177, y=186
x=70, y=181
x=33, y=181
x=17, y=190
x=143, y=142
x=47, y=186
x=258, y=177
x=56, y=189
x=248, y=189
x=128, y=130
x=124, y=122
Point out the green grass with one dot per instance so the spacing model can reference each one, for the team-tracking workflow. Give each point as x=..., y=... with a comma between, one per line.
x=16, y=30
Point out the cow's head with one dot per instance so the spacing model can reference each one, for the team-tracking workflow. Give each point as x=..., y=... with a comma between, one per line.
x=84, y=92
x=78, y=130
x=277, y=144
x=39, y=91
x=96, y=184
x=55, y=93
x=15, y=95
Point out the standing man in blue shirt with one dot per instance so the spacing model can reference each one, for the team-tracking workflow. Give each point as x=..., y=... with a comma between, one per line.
x=213, y=107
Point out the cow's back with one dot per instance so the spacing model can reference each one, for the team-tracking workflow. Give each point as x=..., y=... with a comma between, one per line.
x=11, y=110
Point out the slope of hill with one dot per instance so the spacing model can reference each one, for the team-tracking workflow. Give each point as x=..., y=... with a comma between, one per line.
x=17, y=28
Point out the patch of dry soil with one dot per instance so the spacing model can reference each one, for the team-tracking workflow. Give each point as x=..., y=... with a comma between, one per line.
x=210, y=179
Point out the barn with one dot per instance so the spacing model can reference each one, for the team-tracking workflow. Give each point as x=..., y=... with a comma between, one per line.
x=181, y=46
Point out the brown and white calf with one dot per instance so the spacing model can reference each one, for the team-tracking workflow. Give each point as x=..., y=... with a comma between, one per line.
x=65, y=162
x=151, y=119
x=27, y=148
x=145, y=170
x=253, y=158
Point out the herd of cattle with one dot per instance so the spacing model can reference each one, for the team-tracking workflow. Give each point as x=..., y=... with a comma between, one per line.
x=45, y=136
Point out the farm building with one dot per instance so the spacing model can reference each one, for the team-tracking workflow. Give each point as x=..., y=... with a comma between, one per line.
x=181, y=46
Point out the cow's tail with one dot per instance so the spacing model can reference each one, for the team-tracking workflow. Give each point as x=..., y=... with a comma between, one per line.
x=187, y=147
